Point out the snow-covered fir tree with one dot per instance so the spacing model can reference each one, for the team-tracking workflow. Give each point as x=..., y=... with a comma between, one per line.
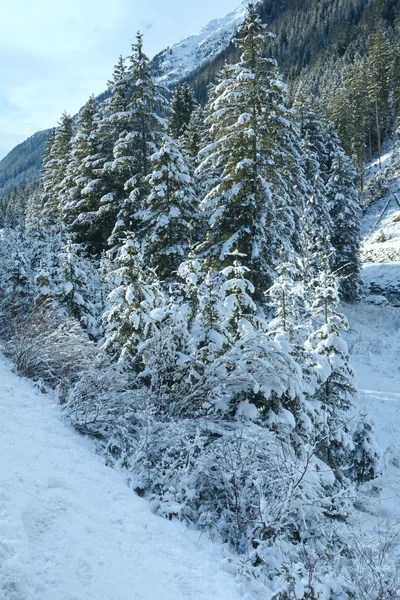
x=55, y=166
x=366, y=457
x=336, y=377
x=87, y=182
x=139, y=125
x=344, y=209
x=127, y=320
x=240, y=205
x=169, y=212
x=182, y=107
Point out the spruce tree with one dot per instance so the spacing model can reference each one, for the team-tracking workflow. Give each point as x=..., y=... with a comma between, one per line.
x=170, y=212
x=86, y=182
x=139, y=127
x=336, y=376
x=366, y=457
x=344, y=209
x=127, y=320
x=55, y=167
x=182, y=107
x=239, y=203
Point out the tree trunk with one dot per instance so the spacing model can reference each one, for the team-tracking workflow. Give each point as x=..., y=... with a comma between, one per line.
x=378, y=129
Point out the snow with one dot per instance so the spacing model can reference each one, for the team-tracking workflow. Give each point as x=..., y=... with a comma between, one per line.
x=374, y=344
x=381, y=247
x=374, y=335
x=177, y=61
x=384, y=276
x=71, y=529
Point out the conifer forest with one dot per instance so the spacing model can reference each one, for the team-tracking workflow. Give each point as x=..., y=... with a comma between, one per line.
x=182, y=266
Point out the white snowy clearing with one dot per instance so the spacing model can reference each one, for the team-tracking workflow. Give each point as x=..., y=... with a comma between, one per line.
x=71, y=529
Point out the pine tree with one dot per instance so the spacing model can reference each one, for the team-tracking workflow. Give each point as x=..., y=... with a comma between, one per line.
x=366, y=457
x=86, y=182
x=127, y=321
x=78, y=288
x=193, y=138
x=344, y=209
x=16, y=276
x=140, y=126
x=182, y=107
x=336, y=388
x=379, y=75
x=170, y=210
x=55, y=167
x=287, y=299
x=240, y=205
x=34, y=205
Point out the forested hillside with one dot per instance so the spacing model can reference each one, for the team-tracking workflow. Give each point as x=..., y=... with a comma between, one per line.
x=23, y=164
x=343, y=54
x=177, y=277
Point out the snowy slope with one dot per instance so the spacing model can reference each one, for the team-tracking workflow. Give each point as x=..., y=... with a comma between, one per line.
x=381, y=246
x=374, y=344
x=374, y=333
x=70, y=529
x=182, y=58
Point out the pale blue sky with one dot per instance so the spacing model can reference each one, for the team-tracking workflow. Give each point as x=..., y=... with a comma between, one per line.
x=55, y=53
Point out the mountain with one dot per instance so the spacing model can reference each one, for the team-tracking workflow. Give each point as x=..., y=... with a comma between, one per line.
x=178, y=61
x=23, y=164
x=314, y=39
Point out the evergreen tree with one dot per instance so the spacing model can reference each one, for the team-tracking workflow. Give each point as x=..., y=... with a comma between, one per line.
x=127, y=320
x=78, y=288
x=139, y=126
x=86, y=182
x=336, y=387
x=344, y=209
x=55, y=167
x=182, y=107
x=379, y=75
x=170, y=210
x=194, y=137
x=366, y=456
x=240, y=205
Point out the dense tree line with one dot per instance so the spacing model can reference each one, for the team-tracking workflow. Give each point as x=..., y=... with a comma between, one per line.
x=178, y=276
x=346, y=53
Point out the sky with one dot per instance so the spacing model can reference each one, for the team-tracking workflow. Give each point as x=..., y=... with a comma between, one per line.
x=55, y=53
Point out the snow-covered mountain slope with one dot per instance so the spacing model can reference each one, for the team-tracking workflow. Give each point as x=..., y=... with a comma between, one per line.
x=381, y=232
x=374, y=333
x=71, y=529
x=182, y=58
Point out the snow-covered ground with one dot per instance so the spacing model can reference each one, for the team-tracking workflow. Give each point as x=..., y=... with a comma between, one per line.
x=71, y=529
x=374, y=344
x=374, y=334
x=381, y=247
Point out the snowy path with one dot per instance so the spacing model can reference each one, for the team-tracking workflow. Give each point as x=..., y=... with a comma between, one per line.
x=70, y=529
